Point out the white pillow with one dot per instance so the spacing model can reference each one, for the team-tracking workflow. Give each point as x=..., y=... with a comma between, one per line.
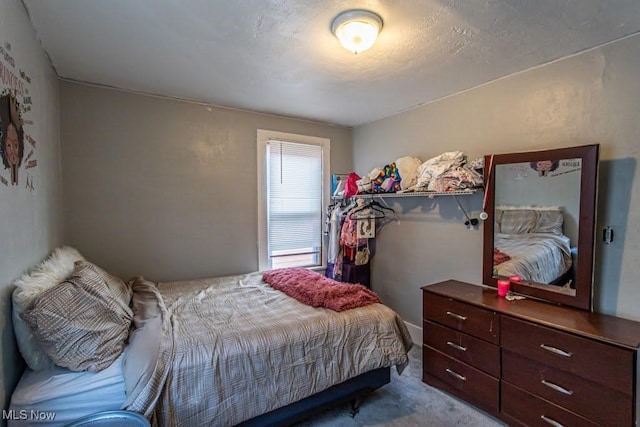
x=53, y=270
x=408, y=169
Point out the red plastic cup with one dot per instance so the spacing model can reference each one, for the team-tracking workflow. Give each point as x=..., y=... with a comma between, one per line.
x=503, y=287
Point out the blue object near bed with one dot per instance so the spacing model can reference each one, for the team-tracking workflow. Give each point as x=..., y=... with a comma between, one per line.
x=112, y=418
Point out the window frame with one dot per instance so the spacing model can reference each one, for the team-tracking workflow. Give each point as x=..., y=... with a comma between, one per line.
x=263, y=137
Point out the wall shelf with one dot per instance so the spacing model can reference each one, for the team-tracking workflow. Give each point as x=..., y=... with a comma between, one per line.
x=429, y=194
x=470, y=223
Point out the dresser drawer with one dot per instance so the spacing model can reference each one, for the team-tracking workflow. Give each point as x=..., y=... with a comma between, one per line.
x=532, y=411
x=475, y=321
x=605, y=364
x=569, y=391
x=470, y=383
x=473, y=351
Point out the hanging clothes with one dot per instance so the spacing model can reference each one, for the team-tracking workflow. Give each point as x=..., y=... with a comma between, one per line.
x=335, y=218
x=353, y=272
x=334, y=226
x=349, y=236
x=351, y=242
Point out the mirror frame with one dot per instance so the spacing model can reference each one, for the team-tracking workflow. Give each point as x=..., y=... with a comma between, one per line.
x=589, y=154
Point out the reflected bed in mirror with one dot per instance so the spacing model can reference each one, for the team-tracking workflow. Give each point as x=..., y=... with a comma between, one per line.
x=541, y=208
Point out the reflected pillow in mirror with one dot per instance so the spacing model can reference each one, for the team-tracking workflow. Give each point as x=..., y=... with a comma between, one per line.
x=520, y=219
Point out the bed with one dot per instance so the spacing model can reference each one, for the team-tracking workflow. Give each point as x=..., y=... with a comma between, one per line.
x=219, y=351
x=529, y=243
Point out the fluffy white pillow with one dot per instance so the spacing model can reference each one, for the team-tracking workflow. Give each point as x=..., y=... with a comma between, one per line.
x=53, y=270
x=408, y=168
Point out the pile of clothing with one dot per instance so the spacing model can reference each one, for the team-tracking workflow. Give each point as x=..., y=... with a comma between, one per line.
x=449, y=171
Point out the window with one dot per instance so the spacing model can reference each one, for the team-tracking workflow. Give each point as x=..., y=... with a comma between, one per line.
x=292, y=182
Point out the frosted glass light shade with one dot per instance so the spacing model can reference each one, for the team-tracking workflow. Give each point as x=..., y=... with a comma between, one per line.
x=357, y=30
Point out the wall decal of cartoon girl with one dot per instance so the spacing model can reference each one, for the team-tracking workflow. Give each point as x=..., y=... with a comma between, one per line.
x=12, y=135
x=543, y=167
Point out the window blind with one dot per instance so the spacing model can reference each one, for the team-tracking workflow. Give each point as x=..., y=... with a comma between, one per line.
x=294, y=202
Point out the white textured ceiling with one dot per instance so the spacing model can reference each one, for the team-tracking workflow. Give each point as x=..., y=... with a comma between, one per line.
x=279, y=56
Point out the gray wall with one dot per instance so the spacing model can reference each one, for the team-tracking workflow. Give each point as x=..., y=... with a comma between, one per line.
x=519, y=185
x=166, y=188
x=589, y=98
x=31, y=221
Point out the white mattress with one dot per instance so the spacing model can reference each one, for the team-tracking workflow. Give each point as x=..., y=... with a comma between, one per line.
x=65, y=395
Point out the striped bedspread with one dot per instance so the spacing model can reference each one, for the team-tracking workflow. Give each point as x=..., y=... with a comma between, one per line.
x=536, y=257
x=233, y=348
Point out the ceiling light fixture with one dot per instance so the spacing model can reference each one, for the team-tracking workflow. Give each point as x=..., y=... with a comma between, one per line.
x=357, y=29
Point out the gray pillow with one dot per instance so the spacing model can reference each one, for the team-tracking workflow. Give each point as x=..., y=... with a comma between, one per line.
x=48, y=273
x=83, y=322
x=532, y=220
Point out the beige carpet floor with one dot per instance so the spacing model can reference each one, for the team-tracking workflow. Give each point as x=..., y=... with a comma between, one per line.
x=406, y=402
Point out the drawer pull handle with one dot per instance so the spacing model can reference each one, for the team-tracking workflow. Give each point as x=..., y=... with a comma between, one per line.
x=455, y=374
x=556, y=387
x=457, y=316
x=556, y=350
x=551, y=421
x=456, y=346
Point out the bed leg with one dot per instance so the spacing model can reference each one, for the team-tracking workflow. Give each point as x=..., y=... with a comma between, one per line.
x=355, y=407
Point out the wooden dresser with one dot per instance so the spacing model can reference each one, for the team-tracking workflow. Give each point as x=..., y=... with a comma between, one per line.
x=529, y=362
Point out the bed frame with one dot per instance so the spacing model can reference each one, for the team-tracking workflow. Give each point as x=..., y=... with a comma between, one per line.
x=351, y=390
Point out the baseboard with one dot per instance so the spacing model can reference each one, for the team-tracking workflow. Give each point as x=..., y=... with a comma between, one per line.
x=415, y=332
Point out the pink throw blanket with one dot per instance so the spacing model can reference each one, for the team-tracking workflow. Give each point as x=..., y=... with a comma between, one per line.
x=316, y=290
x=499, y=257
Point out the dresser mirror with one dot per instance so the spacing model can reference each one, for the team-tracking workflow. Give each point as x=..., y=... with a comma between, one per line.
x=540, y=208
